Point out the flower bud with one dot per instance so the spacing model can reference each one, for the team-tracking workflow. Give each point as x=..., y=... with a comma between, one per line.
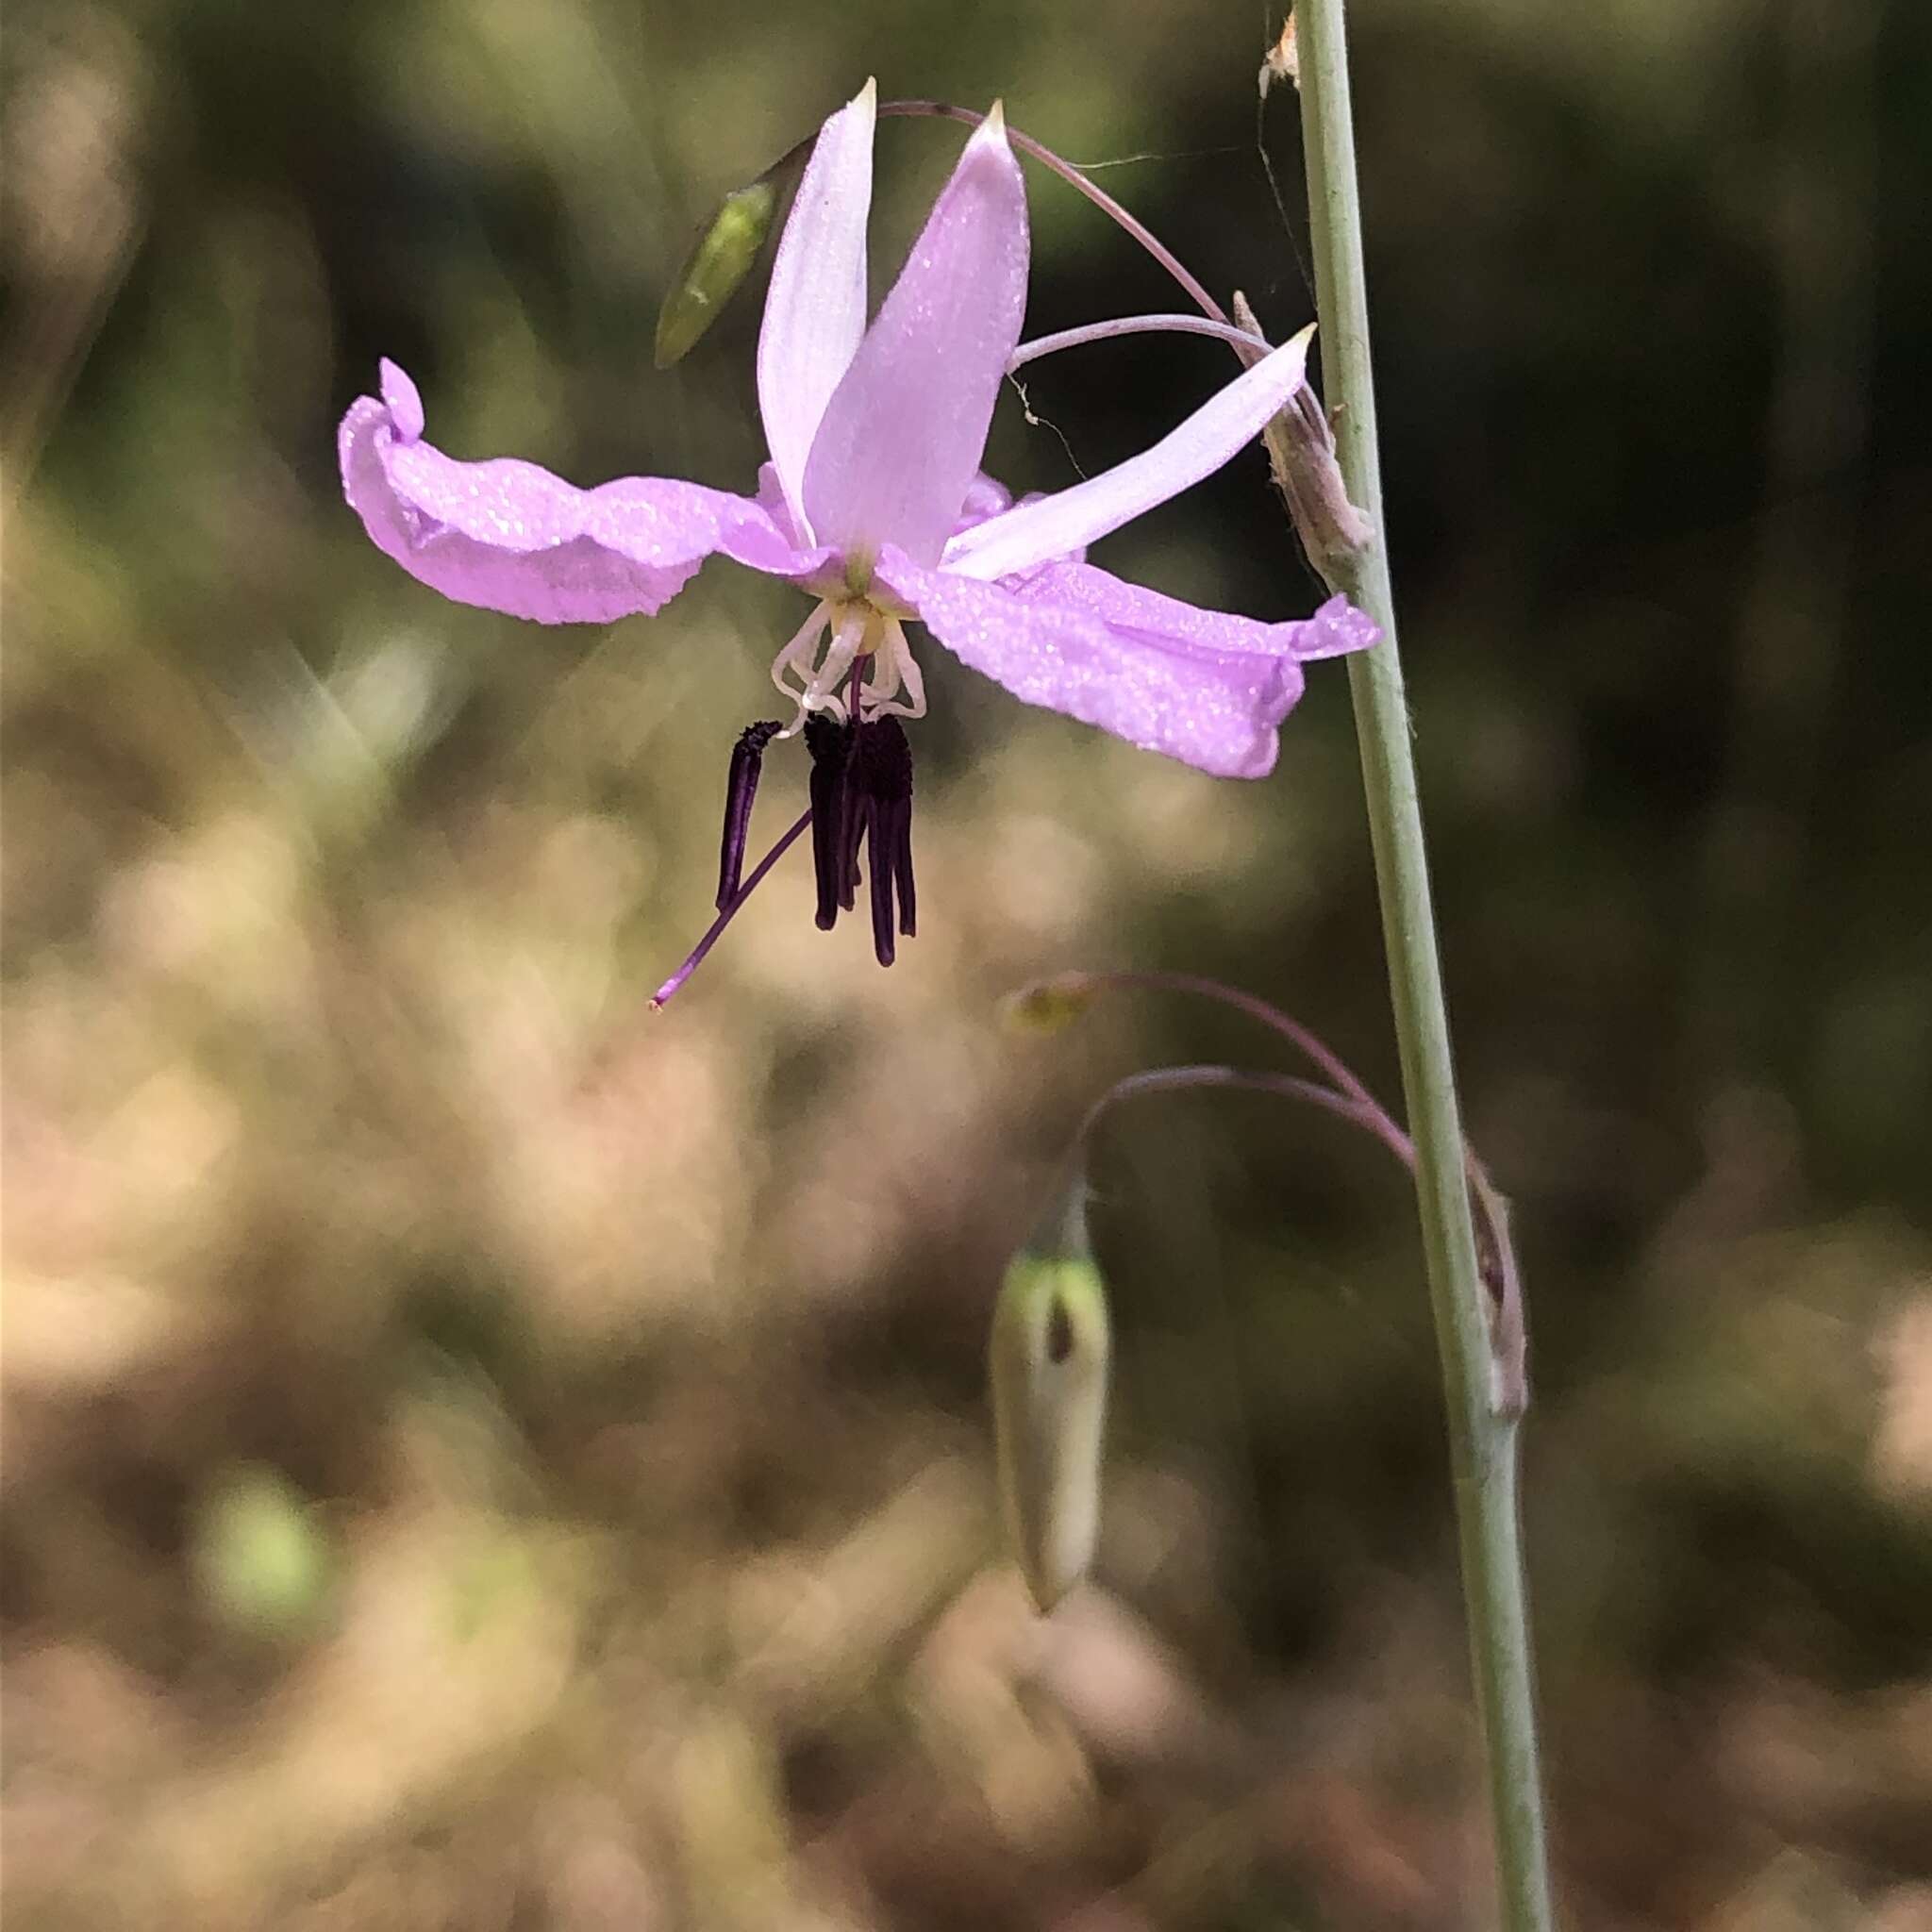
x=720, y=260
x=1047, y=1006
x=1049, y=1364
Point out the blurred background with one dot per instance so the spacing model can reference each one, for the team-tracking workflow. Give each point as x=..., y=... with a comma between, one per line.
x=479, y=1458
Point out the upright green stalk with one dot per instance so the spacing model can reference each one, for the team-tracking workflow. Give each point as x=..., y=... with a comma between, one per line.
x=1482, y=1429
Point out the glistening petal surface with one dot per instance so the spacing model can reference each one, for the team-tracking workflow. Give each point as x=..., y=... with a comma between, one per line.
x=1055, y=526
x=986, y=496
x=511, y=537
x=902, y=437
x=1200, y=686
x=815, y=309
x=1336, y=628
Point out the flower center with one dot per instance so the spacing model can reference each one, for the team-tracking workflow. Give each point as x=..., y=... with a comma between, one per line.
x=847, y=646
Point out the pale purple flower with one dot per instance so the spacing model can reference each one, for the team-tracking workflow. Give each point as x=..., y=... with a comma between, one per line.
x=873, y=505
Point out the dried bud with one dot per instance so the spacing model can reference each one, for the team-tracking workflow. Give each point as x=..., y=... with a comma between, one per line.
x=1048, y=1005
x=1049, y=1364
x=1282, y=60
x=718, y=262
x=1301, y=453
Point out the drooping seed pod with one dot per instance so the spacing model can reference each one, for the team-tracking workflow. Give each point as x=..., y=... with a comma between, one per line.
x=718, y=262
x=1049, y=1362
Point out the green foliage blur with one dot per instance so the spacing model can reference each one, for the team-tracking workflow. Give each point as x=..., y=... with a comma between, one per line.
x=480, y=1456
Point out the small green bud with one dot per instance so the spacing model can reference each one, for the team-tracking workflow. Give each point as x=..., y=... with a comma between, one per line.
x=260, y=1555
x=1049, y=1364
x=1049, y=1006
x=718, y=262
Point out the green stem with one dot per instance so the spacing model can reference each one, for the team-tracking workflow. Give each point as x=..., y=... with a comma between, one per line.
x=1482, y=1431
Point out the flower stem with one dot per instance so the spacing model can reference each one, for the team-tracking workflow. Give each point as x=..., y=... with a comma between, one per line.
x=1482, y=1431
x=1134, y=326
x=1364, y=1114
x=1077, y=179
x=1495, y=1249
x=1304, y=1039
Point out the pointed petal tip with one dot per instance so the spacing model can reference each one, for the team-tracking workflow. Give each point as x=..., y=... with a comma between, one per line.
x=403, y=400
x=862, y=110
x=816, y=304
x=899, y=442
x=991, y=132
x=1336, y=629
x=1055, y=526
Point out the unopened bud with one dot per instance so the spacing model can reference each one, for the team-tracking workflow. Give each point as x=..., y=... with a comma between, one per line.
x=1047, y=1006
x=1049, y=1364
x=1301, y=453
x=719, y=262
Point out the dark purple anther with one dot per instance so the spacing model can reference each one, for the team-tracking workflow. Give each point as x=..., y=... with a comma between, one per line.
x=861, y=796
x=830, y=745
x=883, y=783
x=902, y=872
x=741, y=788
x=851, y=821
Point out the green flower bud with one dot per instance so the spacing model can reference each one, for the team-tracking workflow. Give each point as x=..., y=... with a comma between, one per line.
x=260, y=1555
x=1047, y=1006
x=1049, y=1360
x=719, y=262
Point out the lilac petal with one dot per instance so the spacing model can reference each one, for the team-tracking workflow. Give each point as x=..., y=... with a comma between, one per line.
x=1335, y=628
x=511, y=537
x=770, y=497
x=1200, y=686
x=986, y=496
x=902, y=437
x=815, y=309
x=1055, y=526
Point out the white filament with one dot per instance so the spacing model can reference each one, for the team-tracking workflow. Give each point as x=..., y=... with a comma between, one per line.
x=812, y=671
